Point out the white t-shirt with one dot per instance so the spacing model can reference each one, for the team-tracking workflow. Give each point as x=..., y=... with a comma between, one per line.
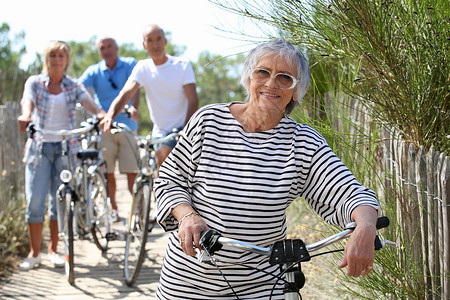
x=166, y=100
x=58, y=117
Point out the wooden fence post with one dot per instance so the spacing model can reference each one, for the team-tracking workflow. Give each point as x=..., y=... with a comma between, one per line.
x=412, y=204
x=445, y=179
x=433, y=258
x=11, y=166
x=421, y=182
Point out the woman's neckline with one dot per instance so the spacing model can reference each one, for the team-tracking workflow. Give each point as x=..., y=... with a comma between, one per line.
x=243, y=127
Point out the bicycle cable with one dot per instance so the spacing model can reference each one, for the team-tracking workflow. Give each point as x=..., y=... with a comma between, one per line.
x=213, y=260
x=277, y=277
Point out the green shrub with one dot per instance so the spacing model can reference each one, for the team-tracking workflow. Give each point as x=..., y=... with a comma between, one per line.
x=13, y=229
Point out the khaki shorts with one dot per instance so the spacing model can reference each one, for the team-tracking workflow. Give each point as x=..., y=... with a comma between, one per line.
x=123, y=147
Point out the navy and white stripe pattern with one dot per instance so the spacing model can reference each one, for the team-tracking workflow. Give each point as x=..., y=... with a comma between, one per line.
x=241, y=184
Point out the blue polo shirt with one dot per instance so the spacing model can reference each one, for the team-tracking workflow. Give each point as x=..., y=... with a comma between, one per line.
x=107, y=84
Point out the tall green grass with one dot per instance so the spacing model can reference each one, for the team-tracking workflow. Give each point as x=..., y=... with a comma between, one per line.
x=395, y=54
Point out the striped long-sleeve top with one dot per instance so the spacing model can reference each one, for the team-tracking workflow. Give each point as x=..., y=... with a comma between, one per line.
x=241, y=184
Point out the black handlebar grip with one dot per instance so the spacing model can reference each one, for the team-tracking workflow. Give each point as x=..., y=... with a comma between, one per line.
x=209, y=241
x=30, y=130
x=382, y=222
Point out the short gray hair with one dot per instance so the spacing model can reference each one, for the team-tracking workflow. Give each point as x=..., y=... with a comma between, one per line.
x=105, y=37
x=291, y=54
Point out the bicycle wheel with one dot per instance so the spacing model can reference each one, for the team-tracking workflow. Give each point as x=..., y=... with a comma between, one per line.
x=101, y=210
x=80, y=207
x=137, y=233
x=68, y=235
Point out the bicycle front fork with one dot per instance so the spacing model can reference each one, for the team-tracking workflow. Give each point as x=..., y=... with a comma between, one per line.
x=61, y=205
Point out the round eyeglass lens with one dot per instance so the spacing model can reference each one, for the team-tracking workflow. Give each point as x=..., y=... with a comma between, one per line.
x=284, y=81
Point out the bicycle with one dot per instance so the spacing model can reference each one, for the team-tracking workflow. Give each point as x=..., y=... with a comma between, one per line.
x=92, y=189
x=77, y=210
x=288, y=254
x=139, y=222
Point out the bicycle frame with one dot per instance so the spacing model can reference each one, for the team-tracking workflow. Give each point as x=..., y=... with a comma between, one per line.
x=91, y=160
x=140, y=222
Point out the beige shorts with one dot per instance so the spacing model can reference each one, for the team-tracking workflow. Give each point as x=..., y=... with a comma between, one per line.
x=123, y=148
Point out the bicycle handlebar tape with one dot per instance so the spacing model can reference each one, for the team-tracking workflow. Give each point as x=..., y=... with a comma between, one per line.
x=209, y=241
x=288, y=251
x=382, y=222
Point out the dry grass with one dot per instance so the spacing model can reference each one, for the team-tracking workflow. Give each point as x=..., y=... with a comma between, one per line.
x=322, y=273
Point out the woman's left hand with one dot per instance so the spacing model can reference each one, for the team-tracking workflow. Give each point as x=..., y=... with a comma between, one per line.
x=359, y=252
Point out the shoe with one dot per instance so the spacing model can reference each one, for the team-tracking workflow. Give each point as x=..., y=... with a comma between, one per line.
x=30, y=263
x=56, y=260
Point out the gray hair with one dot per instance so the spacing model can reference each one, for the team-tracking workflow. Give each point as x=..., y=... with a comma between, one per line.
x=291, y=54
x=154, y=26
x=103, y=38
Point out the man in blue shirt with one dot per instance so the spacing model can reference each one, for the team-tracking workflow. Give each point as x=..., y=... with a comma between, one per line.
x=107, y=79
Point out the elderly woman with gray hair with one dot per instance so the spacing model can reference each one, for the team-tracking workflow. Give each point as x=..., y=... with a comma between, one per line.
x=236, y=169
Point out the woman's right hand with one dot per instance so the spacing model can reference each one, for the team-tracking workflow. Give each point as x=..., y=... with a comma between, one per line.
x=106, y=123
x=23, y=121
x=190, y=227
x=189, y=233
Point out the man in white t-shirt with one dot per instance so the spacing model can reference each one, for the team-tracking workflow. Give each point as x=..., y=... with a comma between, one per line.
x=170, y=89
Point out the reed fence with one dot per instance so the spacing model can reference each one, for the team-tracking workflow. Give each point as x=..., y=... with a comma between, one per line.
x=12, y=142
x=418, y=182
x=415, y=185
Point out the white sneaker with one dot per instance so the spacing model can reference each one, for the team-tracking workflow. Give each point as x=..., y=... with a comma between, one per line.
x=56, y=260
x=30, y=263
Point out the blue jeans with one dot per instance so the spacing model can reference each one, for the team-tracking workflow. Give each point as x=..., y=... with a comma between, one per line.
x=170, y=143
x=38, y=180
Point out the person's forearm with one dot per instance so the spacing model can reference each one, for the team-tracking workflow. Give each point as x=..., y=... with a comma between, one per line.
x=364, y=214
x=117, y=105
x=181, y=210
x=135, y=99
x=127, y=92
x=91, y=106
x=192, y=108
x=191, y=94
x=25, y=118
x=27, y=108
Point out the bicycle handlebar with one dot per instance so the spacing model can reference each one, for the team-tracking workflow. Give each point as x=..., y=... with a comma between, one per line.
x=32, y=128
x=284, y=251
x=119, y=127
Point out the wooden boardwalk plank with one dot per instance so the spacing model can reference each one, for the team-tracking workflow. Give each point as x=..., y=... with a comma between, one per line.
x=97, y=275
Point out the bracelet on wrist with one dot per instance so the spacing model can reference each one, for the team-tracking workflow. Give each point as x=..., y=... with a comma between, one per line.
x=192, y=213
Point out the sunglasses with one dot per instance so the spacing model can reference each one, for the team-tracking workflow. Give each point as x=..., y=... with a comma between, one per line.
x=284, y=81
x=114, y=86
